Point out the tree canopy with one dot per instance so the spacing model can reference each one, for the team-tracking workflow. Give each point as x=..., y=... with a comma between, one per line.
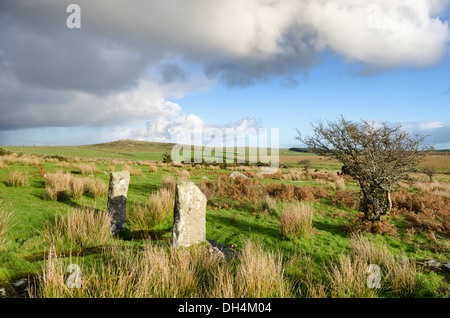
x=376, y=154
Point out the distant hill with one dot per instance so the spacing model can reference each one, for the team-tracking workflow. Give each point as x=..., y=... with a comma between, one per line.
x=299, y=149
x=126, y=149
x=127, y=146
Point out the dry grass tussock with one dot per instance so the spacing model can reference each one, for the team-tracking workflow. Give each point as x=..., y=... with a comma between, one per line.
x=243, y=168
x=159, y=272
x=340, y=183
x=267, y=204
x=86, y=168
x=168, y=182
x=78, y=186
x=371, y=264
x=96, y=187
x=133, y=171
x=183, y=175
x=118, y=162
x=295, y=174
x=296, y=220
x=157, y=208
x=60, y=186
x=63, y=164
x=398, y=273
x=435, y=187
x=57, y=184
x=81, y=227
x=260, y=273
x=18, y=179
x=403, y=185
x=24, y=160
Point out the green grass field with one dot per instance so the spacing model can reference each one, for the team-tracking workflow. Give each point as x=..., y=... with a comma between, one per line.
x=228, y=221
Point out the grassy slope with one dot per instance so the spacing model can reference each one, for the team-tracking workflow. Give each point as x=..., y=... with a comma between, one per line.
x=120, y=149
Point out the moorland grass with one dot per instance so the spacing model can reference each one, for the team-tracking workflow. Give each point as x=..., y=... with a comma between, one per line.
x=18, y=179
x=233, y=213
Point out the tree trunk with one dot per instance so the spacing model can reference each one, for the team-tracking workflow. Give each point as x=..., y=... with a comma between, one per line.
x=376, y=203
x=389, y=200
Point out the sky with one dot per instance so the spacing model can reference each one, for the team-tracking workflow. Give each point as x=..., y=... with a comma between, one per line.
x=155, y=70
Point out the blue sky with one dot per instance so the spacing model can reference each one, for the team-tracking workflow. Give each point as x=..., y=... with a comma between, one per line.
x=149, y=69
x=405, y=95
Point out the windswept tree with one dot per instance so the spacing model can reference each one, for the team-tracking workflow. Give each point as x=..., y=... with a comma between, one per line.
x=377, y=155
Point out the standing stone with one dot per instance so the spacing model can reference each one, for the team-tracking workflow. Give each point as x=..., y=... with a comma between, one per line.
x=117, y=200
x=236, y=174
x=189, y=215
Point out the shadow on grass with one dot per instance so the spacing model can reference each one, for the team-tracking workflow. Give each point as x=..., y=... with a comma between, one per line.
x=39, y=256
x=142, y=189
x=330, y=228
x=65, y=199
x=243, y=226
x=39, y=184
x=156, y=235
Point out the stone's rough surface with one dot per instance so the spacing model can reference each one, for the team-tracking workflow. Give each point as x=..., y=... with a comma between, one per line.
x=434, y=263
x=189, y=215
x=117, y=199
x=216, y=253
x=236, y=174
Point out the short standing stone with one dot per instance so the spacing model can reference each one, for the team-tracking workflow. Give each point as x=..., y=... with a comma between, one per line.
x=189, y=215
x=117, y=200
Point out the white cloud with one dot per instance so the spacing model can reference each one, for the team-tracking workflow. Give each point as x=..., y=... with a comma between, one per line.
x=381, y=33
x=191, y=129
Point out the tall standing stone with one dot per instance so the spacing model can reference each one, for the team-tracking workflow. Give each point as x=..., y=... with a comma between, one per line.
x=117, y=200
x=189, y=215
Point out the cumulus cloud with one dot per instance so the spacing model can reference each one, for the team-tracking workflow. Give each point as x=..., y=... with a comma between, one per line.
x=191, y=129
x=52, y=76
x=382, y=33
x=25, y=106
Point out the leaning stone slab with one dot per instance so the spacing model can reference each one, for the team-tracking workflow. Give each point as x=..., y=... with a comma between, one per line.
x=236, y=174
x=117, y=200
x=189, y=215
x=434, y=263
